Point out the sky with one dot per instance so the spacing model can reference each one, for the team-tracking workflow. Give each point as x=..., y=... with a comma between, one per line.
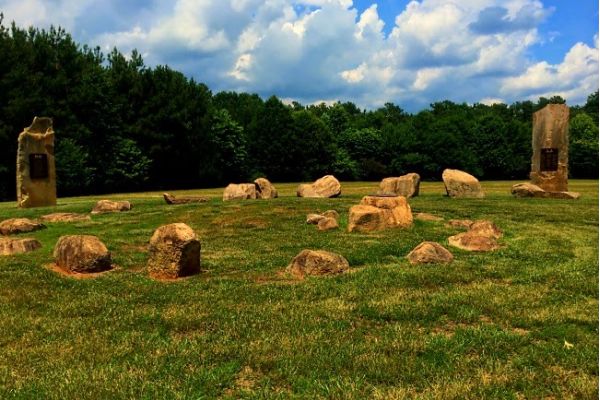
x=370, y=52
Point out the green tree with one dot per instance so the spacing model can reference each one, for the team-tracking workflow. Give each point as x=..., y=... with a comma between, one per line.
x=583, y=148
x=229, y=144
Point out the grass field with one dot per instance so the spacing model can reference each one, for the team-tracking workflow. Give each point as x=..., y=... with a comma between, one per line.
x=521, y=322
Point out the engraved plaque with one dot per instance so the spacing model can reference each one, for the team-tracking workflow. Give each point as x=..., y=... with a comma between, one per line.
x=549, y=159
x=38, y=166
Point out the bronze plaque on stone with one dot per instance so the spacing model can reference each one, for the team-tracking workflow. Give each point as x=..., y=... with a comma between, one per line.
x=549, y=159
x=38, y=166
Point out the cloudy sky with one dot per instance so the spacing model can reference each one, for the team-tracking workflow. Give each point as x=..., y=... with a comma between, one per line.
x=370, y=52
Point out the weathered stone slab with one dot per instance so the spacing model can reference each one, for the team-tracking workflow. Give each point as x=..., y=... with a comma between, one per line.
x=461, y=184
x=317, y=262
x=81, y=254
x=430, y=253
x=36, y=170
x=405, y=185
x=170, y=199
x=108, y=206
x=174, y=252
x=65, y=217
x=11, y=246
x=19, y=225
x=530, y=190
x=327, y=186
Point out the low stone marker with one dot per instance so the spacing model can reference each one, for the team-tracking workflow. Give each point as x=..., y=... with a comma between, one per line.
x=461, y=184
x=430, y=253
x=530, y=190
x=405, y=185
x=327, y=186
x=174, y=252
x=10, y=246
x=108, y=206
x=482, y=236
x=380, y=212
x=65, y=217
x=265, y=189
x=19, y=225
x=81, y=254
x=317, y=262
x=170, y=199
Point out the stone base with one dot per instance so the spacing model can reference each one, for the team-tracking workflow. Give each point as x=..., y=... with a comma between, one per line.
x=531, y=190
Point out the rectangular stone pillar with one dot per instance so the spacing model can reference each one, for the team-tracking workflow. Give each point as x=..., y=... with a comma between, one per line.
x=36, y=172
x=550, y=141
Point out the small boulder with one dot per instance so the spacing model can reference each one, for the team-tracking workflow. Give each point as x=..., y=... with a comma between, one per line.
x=380, y=212
x=331, y=214
x=10, y=246
x=239, y=191
x=405, y=185
x=19, y=225
x=265, y=189
x=530, y=190
x=327, y=186
x=486, y=228
x=363, y=218
x=327, y=224
x=317, y=262
x=82, y=254
x=313, y=219
x=461, y=184
x=174, y=252
x=430, y=253
x=108, y=206
x=65, y=217
x=472, y=241
x=170, y=199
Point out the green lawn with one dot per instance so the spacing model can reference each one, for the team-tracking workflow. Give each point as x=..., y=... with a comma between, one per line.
x=494, y=325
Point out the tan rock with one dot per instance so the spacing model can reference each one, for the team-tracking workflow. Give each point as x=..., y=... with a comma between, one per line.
x=430, y=253
x=530, y=190
x=36, y=171
x=327, y=186
x=327, y=224
x=459, y=223
x=332, y=214
x=363, y=218
x=265, y=189
x=461, y=184
x=82, y=254
x=428, y=217
x=386, y=202
x=380, y=212
x=473, y=241
x=486, y=228
x=239, y=191
x=108, y=206
x=317, y=262
x=170, y=199
x=19, y=225
x=174, y=252
x=405, y=185
x=10, y=246
x=314, y=219
x=65, y=217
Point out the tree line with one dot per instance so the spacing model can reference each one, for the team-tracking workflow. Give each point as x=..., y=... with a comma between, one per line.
x=123, y=126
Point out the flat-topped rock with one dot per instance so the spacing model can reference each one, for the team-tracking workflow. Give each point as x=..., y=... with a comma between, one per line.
x=174, y=252
x=11, y=246
x=461, y=184
x=109, y=206
x=317, y=262
x=239, y=191
x=327, y=186
x=526, y=189
x=265, y=189
x=482, y=236
x=65, y=217
x=405, y=185
x=170, y=199
x=81, y=254
x=430, y=253
x=19, y=225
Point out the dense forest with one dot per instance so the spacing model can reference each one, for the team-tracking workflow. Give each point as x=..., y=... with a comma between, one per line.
x=123, y=126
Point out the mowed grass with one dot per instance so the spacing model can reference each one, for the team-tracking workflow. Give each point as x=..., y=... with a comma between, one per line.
x=520, y=322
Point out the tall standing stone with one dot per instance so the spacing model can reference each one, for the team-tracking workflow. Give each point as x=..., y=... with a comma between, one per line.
x=550, y=140
x=36, y=172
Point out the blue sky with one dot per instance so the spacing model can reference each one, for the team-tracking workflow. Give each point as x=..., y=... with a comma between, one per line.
x=370, y=52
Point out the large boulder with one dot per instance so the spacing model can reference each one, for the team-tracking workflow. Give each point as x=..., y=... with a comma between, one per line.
x=65, y=217
x=530, y=190
x=265, y=189
x=405, y=185
x=461, y=184
x=174, y=252
x=10, y=246
x=239, y=191
x=109, y=206
x=380, y=212
x=317, y=262
x=430, y=253
x=19, y=225
x=327, y=186
x=82, y=254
